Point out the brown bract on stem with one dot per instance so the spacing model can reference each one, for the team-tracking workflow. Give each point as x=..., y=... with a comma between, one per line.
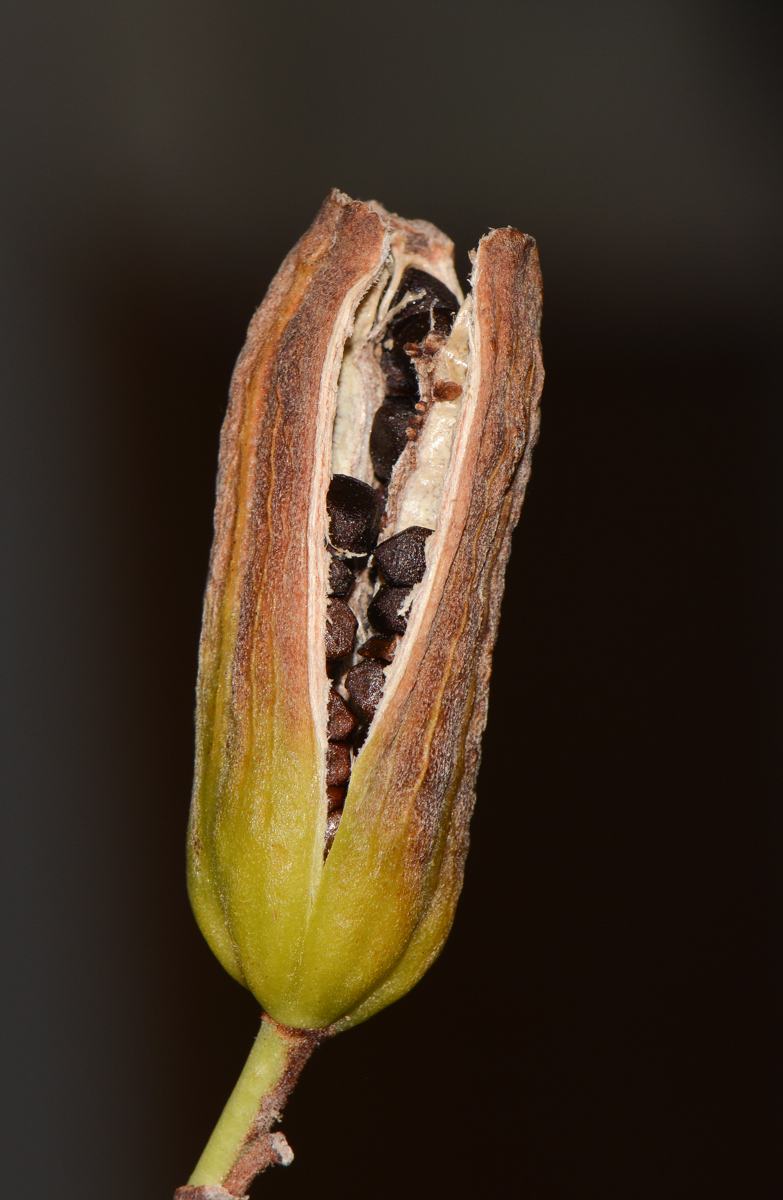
x=373, y=463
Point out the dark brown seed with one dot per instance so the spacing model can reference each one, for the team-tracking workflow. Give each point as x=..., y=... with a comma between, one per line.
x=354, y=510
x=340, y=630
x=341, y=577
x=338, y=764
x=433, y=310
x=401, y=558
x=384, y=609
x=436, y=294
x=340, y=721
x=389, y=436
x=364, y=683
x=399, y=372
x=381, y=648
x=335, y=797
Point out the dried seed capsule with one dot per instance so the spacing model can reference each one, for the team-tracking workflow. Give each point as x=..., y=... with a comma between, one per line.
x=341, y=577
x=389, y=437
x=325, y=946
x=381, y=648
x=338, y=764
x=364, y=683
x=335, y=797
x=341, y=627
x=384, y=609
x=354, y=510
x=340, y=721
x=401, y=558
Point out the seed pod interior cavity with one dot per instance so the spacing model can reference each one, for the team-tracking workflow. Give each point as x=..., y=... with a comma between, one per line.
x=330, y=904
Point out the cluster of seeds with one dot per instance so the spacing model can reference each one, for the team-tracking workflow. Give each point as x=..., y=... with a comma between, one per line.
x=422, y=312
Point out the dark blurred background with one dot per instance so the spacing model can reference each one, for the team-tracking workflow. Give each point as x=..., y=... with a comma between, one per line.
x=601, y=1021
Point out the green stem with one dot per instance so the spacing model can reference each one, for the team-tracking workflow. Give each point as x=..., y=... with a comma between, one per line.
x=242, y=1144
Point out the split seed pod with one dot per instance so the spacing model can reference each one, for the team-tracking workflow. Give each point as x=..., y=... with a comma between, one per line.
x=327, y=927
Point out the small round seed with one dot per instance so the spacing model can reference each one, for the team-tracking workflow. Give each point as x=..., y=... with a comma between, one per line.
x=399, y=372
x=340, y=721
x=402, y=558
x=354, y=510
x=338, y=764
x=384, y=609
x=388, y=437
x=436, y=294
x=364, y=684
x=335, y=797
x=382, y=648
x=341, y=577
x=341, y=627
x=433, y=308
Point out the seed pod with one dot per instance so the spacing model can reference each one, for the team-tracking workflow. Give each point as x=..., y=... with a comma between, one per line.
x=324, y=942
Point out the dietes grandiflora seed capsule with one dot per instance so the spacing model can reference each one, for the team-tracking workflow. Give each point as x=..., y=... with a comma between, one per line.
x=324, y=940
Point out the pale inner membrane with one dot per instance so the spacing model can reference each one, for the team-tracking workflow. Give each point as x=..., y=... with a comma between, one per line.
x=353, y=418
x=422, y=498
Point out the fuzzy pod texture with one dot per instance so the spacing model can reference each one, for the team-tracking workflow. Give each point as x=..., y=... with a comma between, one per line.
x=326, y=938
